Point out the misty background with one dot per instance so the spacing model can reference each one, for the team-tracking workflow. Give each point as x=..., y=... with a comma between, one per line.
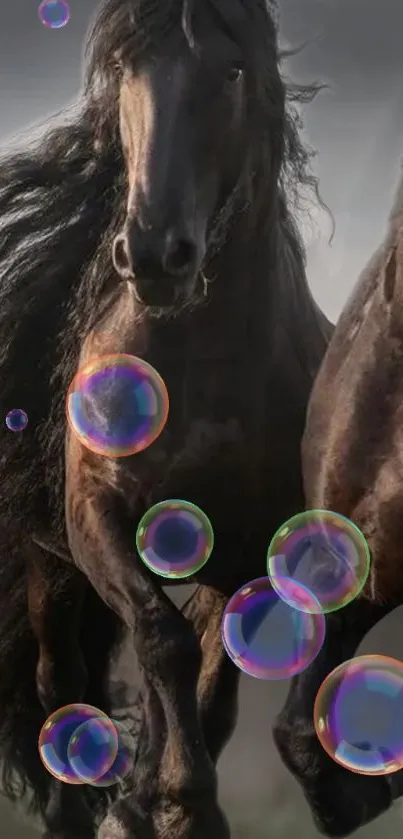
x=357, y=127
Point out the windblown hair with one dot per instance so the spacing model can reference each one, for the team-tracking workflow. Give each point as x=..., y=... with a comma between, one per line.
x=61, y=203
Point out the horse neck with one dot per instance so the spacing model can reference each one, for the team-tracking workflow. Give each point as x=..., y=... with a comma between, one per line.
x=306, y=329
x=259, y=297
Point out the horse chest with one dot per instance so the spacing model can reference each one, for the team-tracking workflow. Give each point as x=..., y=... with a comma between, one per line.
x=204, y=457
x=217, y=447
x=215, y=466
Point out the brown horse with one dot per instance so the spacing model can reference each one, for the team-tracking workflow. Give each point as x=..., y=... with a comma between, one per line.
x=157, y=221
x=353, y=464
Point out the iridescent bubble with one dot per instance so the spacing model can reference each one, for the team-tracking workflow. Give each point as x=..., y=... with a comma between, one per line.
x=54, y=13
x=267, y=638
x=16, y=420
x=55, y=736
x=175, y=538
x=325, y=552
x=123, y=764
x=92, y=749
x=117, y=405
x=358, y=715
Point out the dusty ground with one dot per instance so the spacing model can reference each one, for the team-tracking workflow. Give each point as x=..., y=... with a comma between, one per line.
x=261, y=799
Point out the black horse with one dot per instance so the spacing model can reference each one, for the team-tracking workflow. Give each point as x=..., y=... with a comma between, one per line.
x=352, y=463
x=156, y=220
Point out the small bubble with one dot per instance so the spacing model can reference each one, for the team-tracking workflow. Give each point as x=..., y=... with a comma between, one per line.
x=16, y=420
x=175, y=538
x=54, y=13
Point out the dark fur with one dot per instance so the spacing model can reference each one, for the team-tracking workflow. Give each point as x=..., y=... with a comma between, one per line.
x=352, y=455
x=62, y=201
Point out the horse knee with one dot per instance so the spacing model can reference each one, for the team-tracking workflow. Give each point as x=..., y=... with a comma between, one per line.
x=173, y=654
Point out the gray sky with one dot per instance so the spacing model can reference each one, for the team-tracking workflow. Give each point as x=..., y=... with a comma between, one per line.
x=357, y=127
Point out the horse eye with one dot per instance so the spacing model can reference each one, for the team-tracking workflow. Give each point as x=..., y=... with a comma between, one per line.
x=235, y=73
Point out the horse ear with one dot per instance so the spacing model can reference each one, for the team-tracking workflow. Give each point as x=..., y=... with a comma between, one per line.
x=390, y=275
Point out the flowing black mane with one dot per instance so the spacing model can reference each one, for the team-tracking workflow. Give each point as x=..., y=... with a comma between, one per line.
x=61, y=202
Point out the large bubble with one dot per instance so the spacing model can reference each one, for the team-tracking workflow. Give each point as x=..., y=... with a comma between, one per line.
x=117, y=405
x=323, y=551
x=265, y=637
x=358, y=715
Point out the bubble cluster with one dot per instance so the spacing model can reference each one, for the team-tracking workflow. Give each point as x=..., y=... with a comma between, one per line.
x=265, y=637
x=54, y=13
x=174, y=538
x=16, y=420
x=117, y=405
x=358, y=715
x=55, y=736
x=80, y=744
x=325, y=552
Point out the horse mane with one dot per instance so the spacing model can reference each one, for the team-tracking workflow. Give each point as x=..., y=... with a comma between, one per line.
x=62, y=198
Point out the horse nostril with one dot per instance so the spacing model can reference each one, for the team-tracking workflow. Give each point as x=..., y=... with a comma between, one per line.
x=149, y=254
x=179, y=257
x=120, y=256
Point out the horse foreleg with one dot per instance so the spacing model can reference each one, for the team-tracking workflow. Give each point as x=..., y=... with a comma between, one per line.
x=55, y=596
x=101, y=539
x=199, y=814
x=340, y=800
x=217, y=689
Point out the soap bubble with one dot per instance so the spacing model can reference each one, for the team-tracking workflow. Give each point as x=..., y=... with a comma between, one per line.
x=267, y=638
x=54, y=13
x=16, y=420
x=117, y=405
x=175, y=539
x=93, y=748
x=323, y=551
x=123, y=764
x=358, y=715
